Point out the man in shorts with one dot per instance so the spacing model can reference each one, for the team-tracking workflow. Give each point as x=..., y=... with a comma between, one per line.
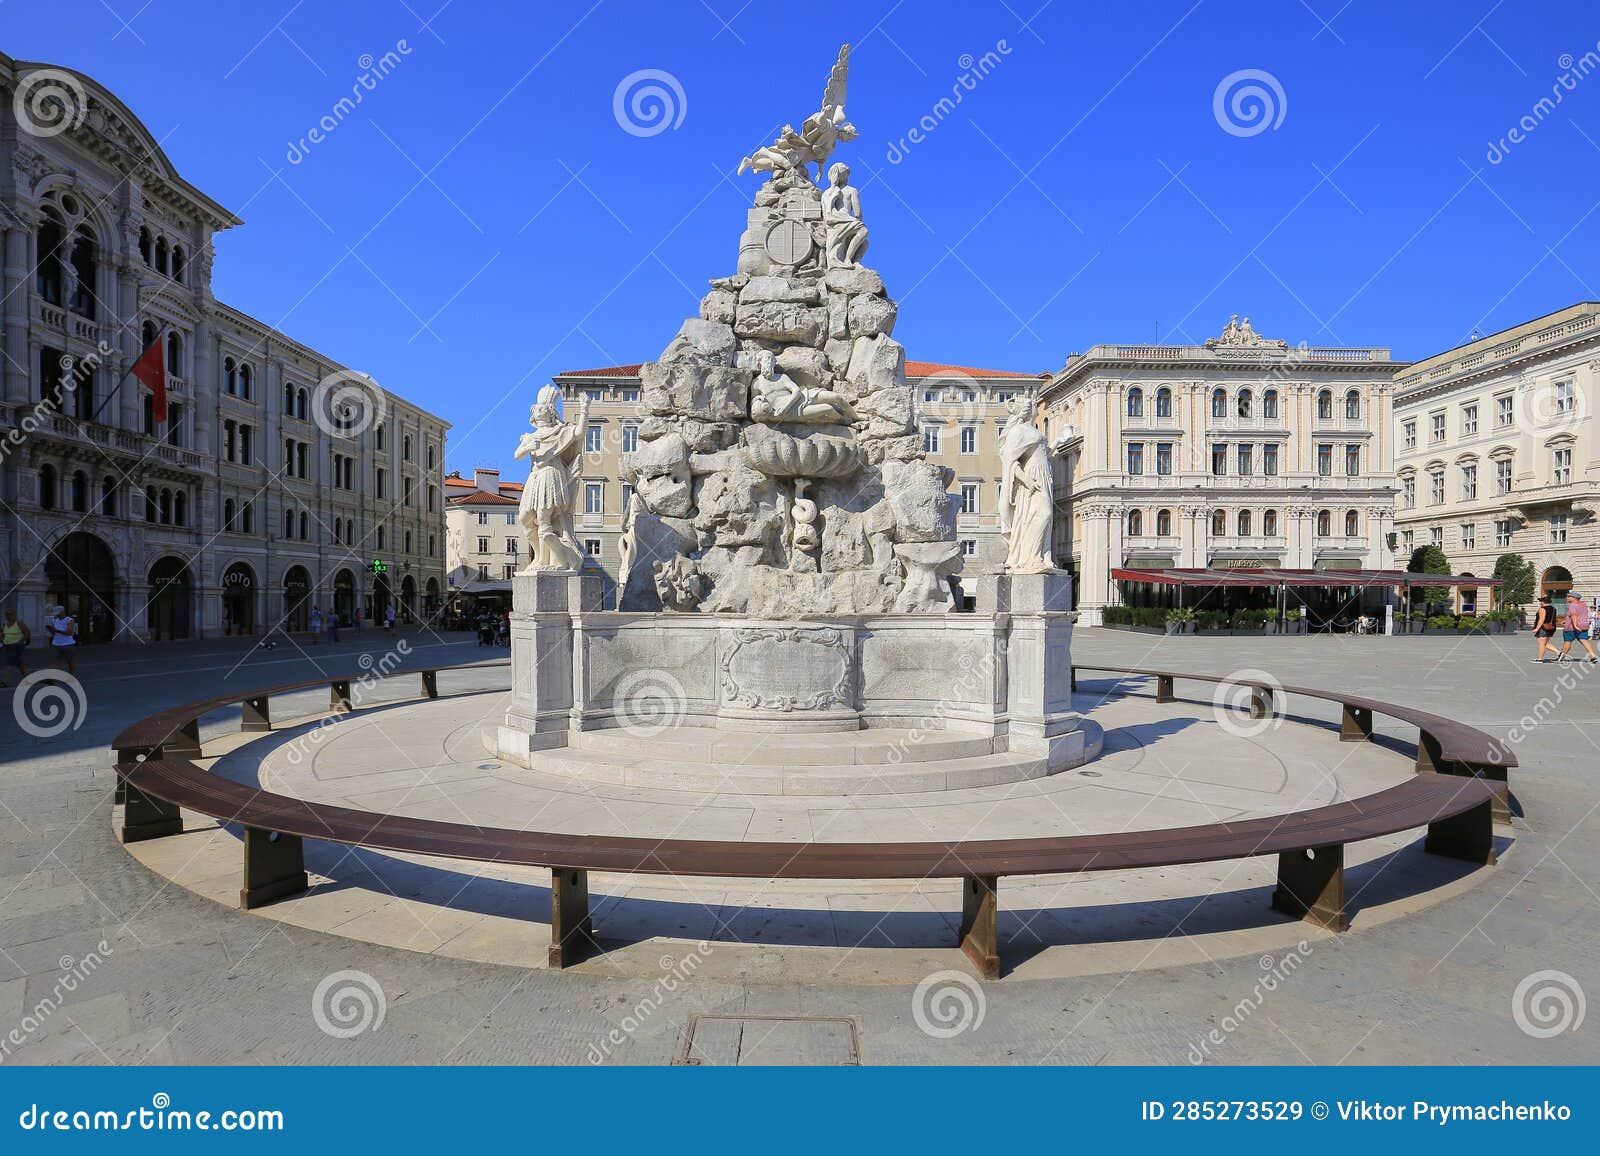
x=1577, y=626
x=63, y=629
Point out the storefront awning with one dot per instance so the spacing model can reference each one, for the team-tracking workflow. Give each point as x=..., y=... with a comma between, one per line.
x=1177, y=576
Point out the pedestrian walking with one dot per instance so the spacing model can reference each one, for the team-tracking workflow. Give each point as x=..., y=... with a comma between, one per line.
x=333, y=627
x=63, y=630
x=16, y=636
x=388, y=620
x=1544, y=626
x=1577, y=627
x=316, y=625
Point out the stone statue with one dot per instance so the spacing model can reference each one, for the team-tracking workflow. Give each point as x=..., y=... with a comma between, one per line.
x=1242, y=335
x=841, y=213
x=776, y=397
x=818, y=135
x=1027, y=499
x=553, y=451
x=69, y=274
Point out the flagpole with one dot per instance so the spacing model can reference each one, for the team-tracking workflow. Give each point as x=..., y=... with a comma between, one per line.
x=138, y=295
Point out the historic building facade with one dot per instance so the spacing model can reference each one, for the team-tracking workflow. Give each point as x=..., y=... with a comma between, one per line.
x=959, y=409
x=1498, y=450
x=279, y=480
x=483, y=542
x=1242, y=452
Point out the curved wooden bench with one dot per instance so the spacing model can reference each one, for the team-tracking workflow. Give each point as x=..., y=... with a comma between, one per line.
x=159, y=781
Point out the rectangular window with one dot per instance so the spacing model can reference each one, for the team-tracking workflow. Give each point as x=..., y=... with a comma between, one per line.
x=1502, y=532
x=1269, y=460
x=1408, y=492
x=1219, y=459
x=594, y=498
x=1436, y=536
x=1163, y=457
x=1469, y=483
x=1469, y=536
x=969, y=547
x=1502, y=476
x=630, y=438
x=592, y=439
x=483, y=572
x=1436, y=490
x=627, y=395
x=1352, y=461
x=969, y=439
x=1564, y=400
x=511, y=546
x=1558, y=528
x=246, y=449
x=1408, y=541
x=1436, y=425
x=1324, y=460
x=1246, y=461
x=591, y=547
x=969, y=498
x=1504, y=411
x=483, y=518
x=1135, y=457
x=595, y=394
x=511, y=519
x=930, y=439
x=483, y=545
x=1469, y=420
x=1561, y=466
x=1409, y=435
x=509, y=570
x=930, y=395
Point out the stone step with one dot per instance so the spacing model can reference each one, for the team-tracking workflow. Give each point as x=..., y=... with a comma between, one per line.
x=876, y=747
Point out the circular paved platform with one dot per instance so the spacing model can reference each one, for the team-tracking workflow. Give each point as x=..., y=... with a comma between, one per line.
x=1163, y=765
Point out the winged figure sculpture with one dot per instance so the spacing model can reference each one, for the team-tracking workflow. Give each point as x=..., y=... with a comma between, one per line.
x=818, y=135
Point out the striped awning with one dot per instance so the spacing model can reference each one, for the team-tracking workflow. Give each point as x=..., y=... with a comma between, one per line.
x=1180, y=576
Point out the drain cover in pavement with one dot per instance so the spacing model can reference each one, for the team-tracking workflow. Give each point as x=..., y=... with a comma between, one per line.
x=753, y=1040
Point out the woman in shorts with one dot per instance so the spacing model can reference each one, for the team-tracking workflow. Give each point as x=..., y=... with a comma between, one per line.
x=1544, y=626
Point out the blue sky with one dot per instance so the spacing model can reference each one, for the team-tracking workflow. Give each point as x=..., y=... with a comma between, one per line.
x=483, y=219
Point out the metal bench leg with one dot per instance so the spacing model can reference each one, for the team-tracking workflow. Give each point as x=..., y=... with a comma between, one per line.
x=571, y=931
x=1164, y=688
x=1356, y=726
x=1311, y=886
x=257, y=715
x=1261, y=702
x=339, y=698
x=147, y=817
x=980, y=931
x=1494, y=776
x=274, y=867
x=1469, y=835
x=430, y=683
x=1430, y=755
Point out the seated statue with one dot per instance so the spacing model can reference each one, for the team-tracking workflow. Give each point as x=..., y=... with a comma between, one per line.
x=841, y=213
x=776, y=397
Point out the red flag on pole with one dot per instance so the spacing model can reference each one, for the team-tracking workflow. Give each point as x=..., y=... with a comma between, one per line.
x=151, y=368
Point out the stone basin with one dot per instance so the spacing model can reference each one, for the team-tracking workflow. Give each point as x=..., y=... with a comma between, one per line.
x=779, y=455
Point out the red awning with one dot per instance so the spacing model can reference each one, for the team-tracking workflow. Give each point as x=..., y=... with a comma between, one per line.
x=1180, y=576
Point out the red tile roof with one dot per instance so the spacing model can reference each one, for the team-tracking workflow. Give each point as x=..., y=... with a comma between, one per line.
x=479, y=498
x=916, y=369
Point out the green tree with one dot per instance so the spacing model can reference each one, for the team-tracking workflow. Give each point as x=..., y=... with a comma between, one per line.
x=1519, y=577
x=1429, y=560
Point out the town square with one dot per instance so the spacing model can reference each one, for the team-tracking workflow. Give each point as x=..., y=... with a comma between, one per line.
x=729, y=548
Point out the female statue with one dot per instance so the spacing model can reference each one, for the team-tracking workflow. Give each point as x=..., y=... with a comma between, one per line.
x=553, y=451
x=841, y=213
x=1027, y=498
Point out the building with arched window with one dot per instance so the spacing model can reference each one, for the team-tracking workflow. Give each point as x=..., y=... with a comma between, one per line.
x=153, y=528
x=1248, y=438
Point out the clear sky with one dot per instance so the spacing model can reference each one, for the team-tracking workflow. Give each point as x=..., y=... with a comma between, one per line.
x=485, y=218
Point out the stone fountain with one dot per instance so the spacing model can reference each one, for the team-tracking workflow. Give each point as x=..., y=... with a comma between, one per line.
x=788, y=549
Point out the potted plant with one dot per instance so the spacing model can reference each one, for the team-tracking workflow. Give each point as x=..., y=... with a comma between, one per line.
x=1294, y=621
x=1180, y=620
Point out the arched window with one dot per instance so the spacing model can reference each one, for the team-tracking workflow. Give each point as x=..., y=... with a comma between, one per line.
x=1325, y=403
x=1136, y=402
x=1324, y=523
x=108, y=497
x=1163, y=523
x=305, y=527
x=380, y=537
x=165, y=506
x=1163, y=402
x=1244, y=523
x=1269, y=523
x=161, y=254
x=230, y=376
x=1352, y=524
x=247, y=518
x=146, y=246
x=174, y=354
x=1219, y=524
x=246, y=382
x=177, y=263
x=228, y=509
x=180, y=509
x=1246, y=402
x=47, y=487
x=288, y=523
x=1269, y=403
x=150, y=504
x=1352, y=405
x=47, y=273
x=377, y=434
x=85, y=263
x=301, y=399
x=408, y=541
x=1219, y=403
x=431, y=460
x=149, y=335
x=1135, y=523
x=80, y=492
x=405, y=451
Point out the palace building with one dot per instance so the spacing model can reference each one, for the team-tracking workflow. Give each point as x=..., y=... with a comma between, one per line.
x=263, y=493
x=1499, y=452
x=1239, y=453
x=959, y=410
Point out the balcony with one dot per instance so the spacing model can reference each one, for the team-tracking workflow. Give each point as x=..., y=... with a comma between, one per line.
x=65, y=321
x=1582, y=494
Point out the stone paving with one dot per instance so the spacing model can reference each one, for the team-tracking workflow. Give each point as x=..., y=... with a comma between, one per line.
x=104, y=961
